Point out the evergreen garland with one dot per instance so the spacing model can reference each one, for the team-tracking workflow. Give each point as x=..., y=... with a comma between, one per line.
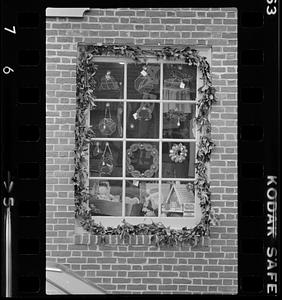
x=86, y=86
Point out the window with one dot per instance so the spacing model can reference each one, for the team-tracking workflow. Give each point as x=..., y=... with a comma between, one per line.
x=142, y=158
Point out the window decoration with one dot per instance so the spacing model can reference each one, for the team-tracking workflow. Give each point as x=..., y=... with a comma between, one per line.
x=146, y=86
x=174, y=114
x=178, y=153
x=146, y=152
x=107, y=125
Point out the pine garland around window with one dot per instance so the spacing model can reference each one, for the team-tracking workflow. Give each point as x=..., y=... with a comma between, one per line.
x=160, y=234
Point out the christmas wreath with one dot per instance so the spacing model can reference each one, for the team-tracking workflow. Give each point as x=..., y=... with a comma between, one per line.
x=151, y=150
x=178, y=153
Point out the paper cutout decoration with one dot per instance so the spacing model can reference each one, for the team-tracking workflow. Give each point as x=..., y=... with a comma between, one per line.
x=179, y=200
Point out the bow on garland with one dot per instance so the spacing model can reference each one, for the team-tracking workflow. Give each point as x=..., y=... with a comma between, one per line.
x=86, y=85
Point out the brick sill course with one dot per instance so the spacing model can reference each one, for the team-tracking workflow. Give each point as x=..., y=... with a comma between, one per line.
x=145, y=240
x=89, y=239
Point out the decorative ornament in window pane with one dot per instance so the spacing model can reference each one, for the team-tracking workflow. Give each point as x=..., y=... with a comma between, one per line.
x=144, y=112
x=178, y=153
x=133, y=160
x=144, y=83
x=107, y=125
x=107, y=163
x=174, y=114
x=108, y=82
x=178, y=85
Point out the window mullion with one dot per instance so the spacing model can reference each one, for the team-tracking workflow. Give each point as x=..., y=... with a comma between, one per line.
x=124, y=140
x=161, y=137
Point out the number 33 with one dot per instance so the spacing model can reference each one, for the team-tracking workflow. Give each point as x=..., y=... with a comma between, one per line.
x=271, y=11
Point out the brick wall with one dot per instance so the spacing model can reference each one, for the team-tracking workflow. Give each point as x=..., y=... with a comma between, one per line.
x=137, y=266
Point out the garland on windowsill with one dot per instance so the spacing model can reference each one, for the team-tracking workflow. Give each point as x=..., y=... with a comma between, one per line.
x=86, y=86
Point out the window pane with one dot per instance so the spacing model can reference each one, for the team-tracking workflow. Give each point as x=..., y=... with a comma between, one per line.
x=143, y=81
x=106, y=197
x=178, y=120
x=142, y=159
x=109, y=80
x=107, y=119
x=142, y=120
x=141, y=198
x=177, y=199
x=179, y=82
x=106, y=159
x=178, y=160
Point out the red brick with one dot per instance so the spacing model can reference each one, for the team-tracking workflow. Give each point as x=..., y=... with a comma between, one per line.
x=139, y=20
x=137, y=260
x=167, y=287
x=185, y=14
x=121, y=267
x=107, y=260
x=167, y=261
x=61, y=25
x=137, y=274
x=106, y=273
x=168, y=274
x=125, y=13
x=155, y=14
x=139, y=34
x=121, y=280
x=136, y=287
x=152, y=267
x=197, y=288
x=108, y=19
x=170, y=21
x=151, y=280
x=197, y=261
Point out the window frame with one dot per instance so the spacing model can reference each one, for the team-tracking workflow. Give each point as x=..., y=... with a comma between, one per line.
x=174, y=222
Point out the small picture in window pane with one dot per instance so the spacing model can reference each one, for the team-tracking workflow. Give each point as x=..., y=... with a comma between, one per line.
x=107, y=119
x=142, y=120
x=143, y=81
x=178, y=160
x=106, y=197
x=142, y=198
x=142, y=159
x=105, y=159
x=178, y=120
x=109, y=80
x=179, y=82
x=177, y=199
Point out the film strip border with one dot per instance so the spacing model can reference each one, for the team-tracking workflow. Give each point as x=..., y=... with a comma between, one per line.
x=258, y=150
x=23, y=149
x=23, y=143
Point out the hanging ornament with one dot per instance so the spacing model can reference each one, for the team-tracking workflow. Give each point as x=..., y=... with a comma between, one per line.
x=178, y=153
x=107, y=126
x=108, y=75
x=174, y=114
x=178, y=121
x=107, y=162
x=108, y=82
x=182, y=85
x=144, y=71
x=97, y=150
x=143, y=113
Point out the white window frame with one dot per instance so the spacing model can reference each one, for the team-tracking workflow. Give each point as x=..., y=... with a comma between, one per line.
x=172, y=222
